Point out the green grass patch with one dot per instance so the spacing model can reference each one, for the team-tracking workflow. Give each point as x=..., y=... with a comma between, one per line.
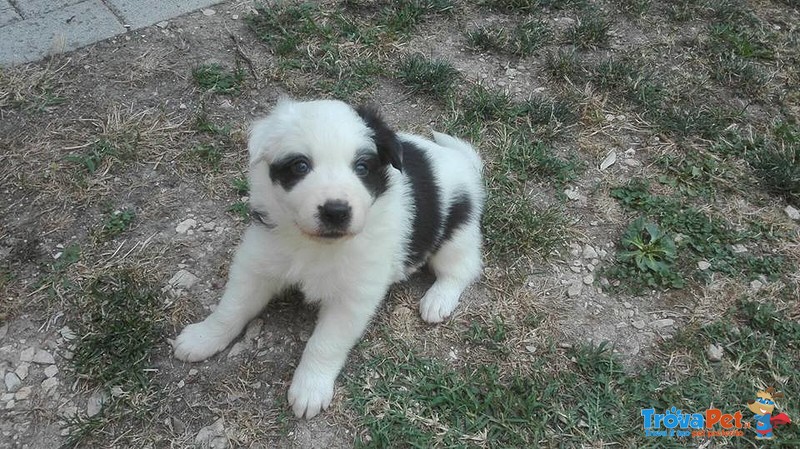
x=590, y=31
x=562, y=65
x=241, y=209
x=569, y=397
x=521, y=40
x=208, y=154
x=774, y=158
x=742, y=41
x=402, y=16
x=241, y=185
x=435, y=77
x=703, y=237
x=119, y=320
x=633, y=8
x=740, y=74
x=98, y=152
x=216, y=79
x=115, y=224
x=531, y=6
x=203, y=124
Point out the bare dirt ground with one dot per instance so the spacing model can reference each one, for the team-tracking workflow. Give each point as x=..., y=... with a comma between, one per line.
x=137, y=91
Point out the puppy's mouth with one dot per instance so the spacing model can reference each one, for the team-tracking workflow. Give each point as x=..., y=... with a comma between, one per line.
x=326, y=235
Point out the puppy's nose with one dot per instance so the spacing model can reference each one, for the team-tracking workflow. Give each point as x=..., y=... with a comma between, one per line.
x=335, y=213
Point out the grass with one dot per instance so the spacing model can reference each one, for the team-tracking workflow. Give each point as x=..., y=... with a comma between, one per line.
x=115, y=224
x=704, y=237
x=214, y=78
x=30, y=88
x=98, y=152
x=569, y=397
x=435, y=77
x=119, y=323
x=590, y=31
x=531, y=6
x=521, y=40
x=208, y=154
x=402, y=16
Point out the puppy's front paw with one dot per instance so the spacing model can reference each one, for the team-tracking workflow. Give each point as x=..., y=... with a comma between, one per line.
x=310, y=392
x=438, y=304
x=201, y=340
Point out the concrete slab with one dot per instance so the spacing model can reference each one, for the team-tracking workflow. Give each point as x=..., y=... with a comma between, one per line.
x=7, y=13
x=61, y=30
x=33, y=8
x=142, y=13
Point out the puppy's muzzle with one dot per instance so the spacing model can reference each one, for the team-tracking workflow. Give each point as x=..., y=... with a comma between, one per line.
x=334, y=216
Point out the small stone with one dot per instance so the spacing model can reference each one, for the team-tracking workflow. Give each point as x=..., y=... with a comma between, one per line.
x=793, y=213
x=632, y=163
x=666, y=322
x=13, y=382
x=589, y=252
x=6, y=397
x=181, y=383
x=638, y=324
x=209, y=12
x=208, y=227
x=51, y=371
x=627, y=305
x=23, y=393
x=630, y=152
x=183, y=279
x=756, y=285
x=574, y=289
x=43, y=357
x=574, y=249
x=739, y=248
x=212, y=436
x=162, y=24
x=49, y=384
x=714, y=352
x=609, y=160
x=531, y=349
x=575, y=269
x=602, y=253
x=594, y=223
x=573, y=194
x=588, y=279
x=192, y=372
x=95, y=403
x=703, y=265
x=184, y=226
x=27, y=354
x=22, y=370
x=3, y=331
x=590, y=267
x=10, y=404
x=68, y=411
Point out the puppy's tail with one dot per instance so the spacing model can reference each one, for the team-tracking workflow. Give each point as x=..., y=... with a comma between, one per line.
x=457, y=144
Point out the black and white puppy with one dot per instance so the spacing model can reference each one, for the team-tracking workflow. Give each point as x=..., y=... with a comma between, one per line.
x=343, y=207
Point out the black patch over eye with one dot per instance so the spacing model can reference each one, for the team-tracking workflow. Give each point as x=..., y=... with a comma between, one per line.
x=289, y=170
x=372, y=172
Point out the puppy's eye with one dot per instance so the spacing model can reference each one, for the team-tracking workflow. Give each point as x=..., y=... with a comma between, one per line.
x=301, y=167
x=361, y=168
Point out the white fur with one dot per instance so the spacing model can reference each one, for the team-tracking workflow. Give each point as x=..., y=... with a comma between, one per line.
x=349, y=276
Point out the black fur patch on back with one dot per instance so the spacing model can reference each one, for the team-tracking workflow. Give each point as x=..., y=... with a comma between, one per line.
x=427, y=223
x=389, y=148
x=458, y=213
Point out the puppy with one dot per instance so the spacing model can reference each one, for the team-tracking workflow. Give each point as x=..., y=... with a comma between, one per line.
x=342, y=208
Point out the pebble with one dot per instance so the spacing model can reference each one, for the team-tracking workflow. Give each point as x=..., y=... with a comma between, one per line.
x=589, y=252
x=27, y=355
x=209, y=12
x=49, y=384
x=184, y=226
x=162, y=24
x=575, y=269
x=793, y=213
x=95, y=403
x=632, y=163
x=68, y=411
x=588, y=279
x=43, y=357
x=22, y=370
x=609, y=160
x=51, y=371
x=183, y=279
x=212, y=436
x=638, y=324
x=666, y=322
x=23, y=393
x=573, y=194
x=12, y=382
x=627, y=305
x=574, y=289
x=208, y=227
x=574, y=249
x=10, y=404
x=714, y=352
x=755, y=284
x=192, y=372
x=703, y=265
x=3, y=331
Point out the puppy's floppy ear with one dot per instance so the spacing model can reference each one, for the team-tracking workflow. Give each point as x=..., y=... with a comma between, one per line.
x=263, y=132
x=390, y=150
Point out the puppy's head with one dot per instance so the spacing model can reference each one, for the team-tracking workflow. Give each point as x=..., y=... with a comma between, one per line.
x=320, y=165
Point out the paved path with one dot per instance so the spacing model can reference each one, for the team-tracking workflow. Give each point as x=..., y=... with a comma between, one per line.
x=33, y=29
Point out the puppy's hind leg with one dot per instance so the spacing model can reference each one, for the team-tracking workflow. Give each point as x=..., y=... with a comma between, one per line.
x=456, y=265
x=247, y=292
